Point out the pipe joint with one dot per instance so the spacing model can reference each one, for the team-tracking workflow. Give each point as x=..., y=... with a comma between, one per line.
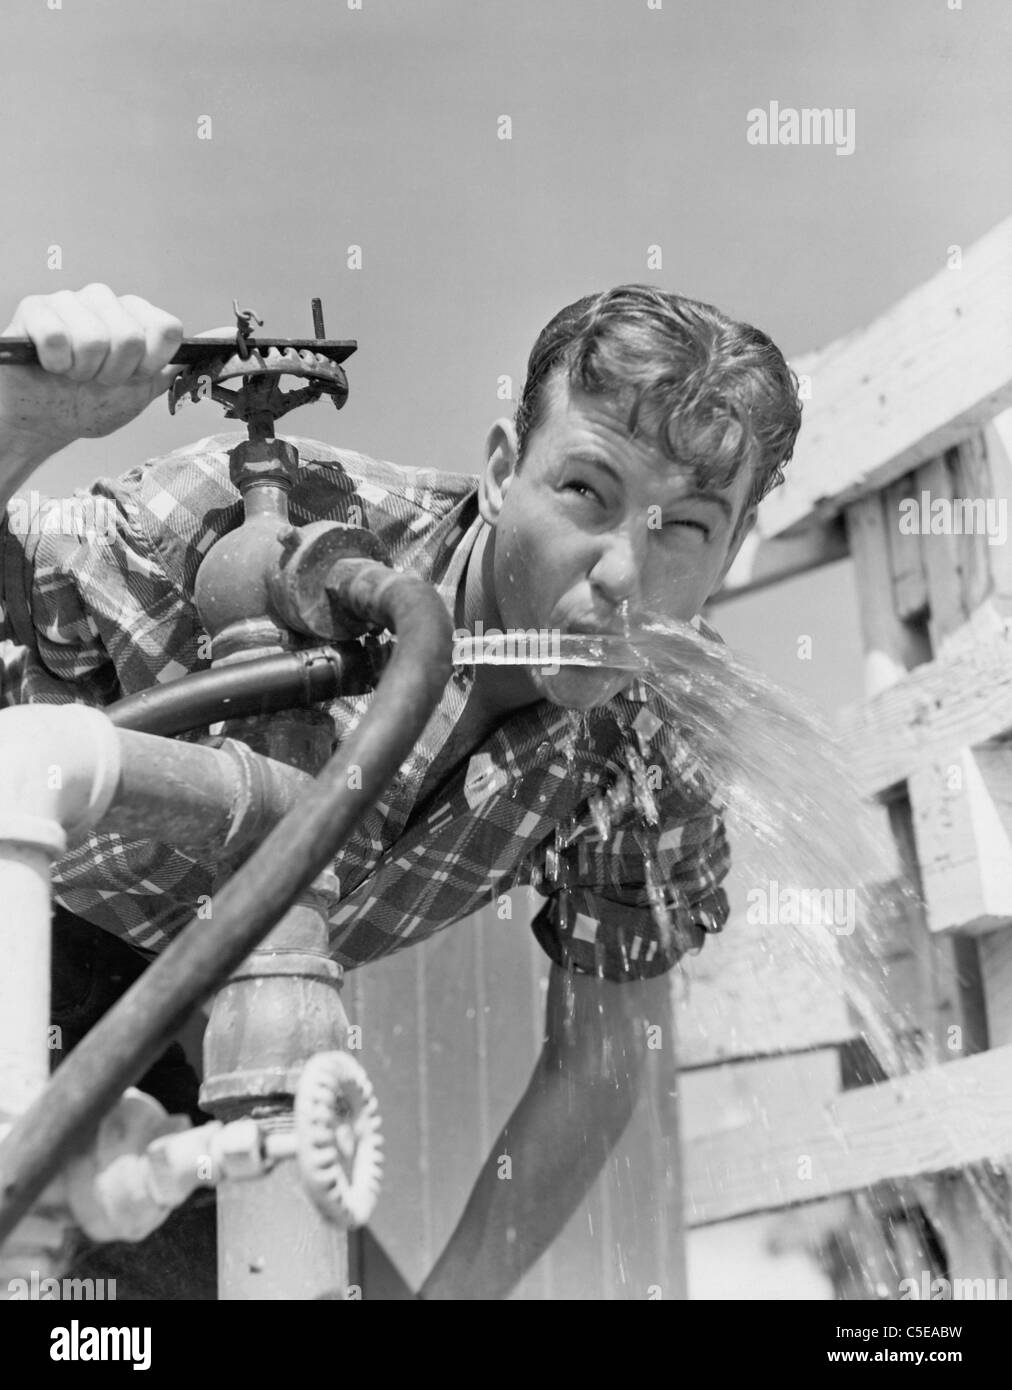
x=59, y=770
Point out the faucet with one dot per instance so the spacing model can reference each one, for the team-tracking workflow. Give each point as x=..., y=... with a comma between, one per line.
x=291, y=600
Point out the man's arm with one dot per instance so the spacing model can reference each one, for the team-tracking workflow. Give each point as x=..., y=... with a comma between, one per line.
x=102, y=360
x=575, y=1109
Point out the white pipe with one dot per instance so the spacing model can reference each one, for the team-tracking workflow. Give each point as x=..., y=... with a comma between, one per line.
x=24, y=979
x=59, y=766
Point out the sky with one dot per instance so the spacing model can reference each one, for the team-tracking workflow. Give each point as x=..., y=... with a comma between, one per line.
x=380, y=126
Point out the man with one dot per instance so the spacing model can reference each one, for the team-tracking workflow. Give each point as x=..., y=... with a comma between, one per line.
x=649, y=428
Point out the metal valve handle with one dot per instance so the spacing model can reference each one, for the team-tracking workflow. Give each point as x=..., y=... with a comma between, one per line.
x=337, y=1135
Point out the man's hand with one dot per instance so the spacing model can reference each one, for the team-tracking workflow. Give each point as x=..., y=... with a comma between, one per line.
x=103, y=359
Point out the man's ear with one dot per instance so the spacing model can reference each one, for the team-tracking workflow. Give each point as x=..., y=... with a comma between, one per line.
x=502, y=453
x=745, y=525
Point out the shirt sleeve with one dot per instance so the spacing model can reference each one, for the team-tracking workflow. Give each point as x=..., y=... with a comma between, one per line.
x=89, y=610
x=90, y=613
x=49, y=637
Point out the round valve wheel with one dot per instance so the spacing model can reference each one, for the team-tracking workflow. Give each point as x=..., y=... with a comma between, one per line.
x=338, y=1143
x=260, y=373
x=277, y=361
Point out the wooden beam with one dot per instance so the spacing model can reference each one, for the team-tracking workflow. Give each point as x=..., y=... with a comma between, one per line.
x=909, y=585
x=944, y=1005
x=891, y=645
x=765, y=560
x=967, y=1213
x=941, y=555
x=998, y=447
x=757, y=992
x=915, y=382
x=976, y=551
x=941, y=1118
x=931, y=714
x=962, y=812
x=996, y=971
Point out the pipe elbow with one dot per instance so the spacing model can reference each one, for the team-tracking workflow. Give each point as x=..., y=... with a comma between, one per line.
x=59, y=769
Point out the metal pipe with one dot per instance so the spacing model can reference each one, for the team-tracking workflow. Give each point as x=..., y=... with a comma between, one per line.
x=58, y=772
x=129, y=1038
x=218, y=799
x=261, y=685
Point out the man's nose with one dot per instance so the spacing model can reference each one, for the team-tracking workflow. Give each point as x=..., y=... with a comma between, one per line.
x=618, y=569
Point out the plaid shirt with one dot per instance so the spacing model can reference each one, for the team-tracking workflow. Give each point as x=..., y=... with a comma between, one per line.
x=94, y=617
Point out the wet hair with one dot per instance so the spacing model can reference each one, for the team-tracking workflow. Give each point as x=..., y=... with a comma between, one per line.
x=714, y=395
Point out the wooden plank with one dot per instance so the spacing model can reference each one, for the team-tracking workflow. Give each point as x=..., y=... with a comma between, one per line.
x=387, y=1011
x=947, y=1011
x=971, y=473
x=962, y=815
x=932, y=713
x=996, y=971
x=454, y=1140
x=514, y=1027
x=916, y=381
x=940, y=554
x=909, y=583
x=968, y=1212
x=938, y=1119
x=763, y=1092
x=764, y=560
x=998, y=447
x=890, y=645
x=753, y=993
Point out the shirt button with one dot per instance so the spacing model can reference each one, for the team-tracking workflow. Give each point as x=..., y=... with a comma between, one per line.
x=544, y=748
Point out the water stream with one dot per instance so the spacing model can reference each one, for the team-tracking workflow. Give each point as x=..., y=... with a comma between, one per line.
x=814, y=857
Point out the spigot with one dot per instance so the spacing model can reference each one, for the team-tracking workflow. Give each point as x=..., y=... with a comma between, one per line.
x=143, y=1163
x=300, y=585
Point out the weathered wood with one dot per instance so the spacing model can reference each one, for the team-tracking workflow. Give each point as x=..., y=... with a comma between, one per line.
x=385, y=1004
x=962, y=810
x=890, y=644
x=922, y=377
x=753, y=993
x=998, y=447
x=764, y=1092
x=996, y=971
x=909, y=583
x=941, y=556
x=932, y=713
x=971, y=474
x=949, y=1010
x=938, y=1119
x=965, y=1211
x=764, y=560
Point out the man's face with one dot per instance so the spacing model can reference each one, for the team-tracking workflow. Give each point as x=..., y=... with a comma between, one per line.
x=593, y=520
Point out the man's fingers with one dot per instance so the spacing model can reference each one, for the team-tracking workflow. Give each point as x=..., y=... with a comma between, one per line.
x=160, y=381
x=94, y=335
x=87, y=333
x=124, y=335
x=162, y=335
x=35, y=318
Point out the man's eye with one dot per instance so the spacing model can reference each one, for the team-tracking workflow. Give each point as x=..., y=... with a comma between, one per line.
x=577, y=486
x=697, y=525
